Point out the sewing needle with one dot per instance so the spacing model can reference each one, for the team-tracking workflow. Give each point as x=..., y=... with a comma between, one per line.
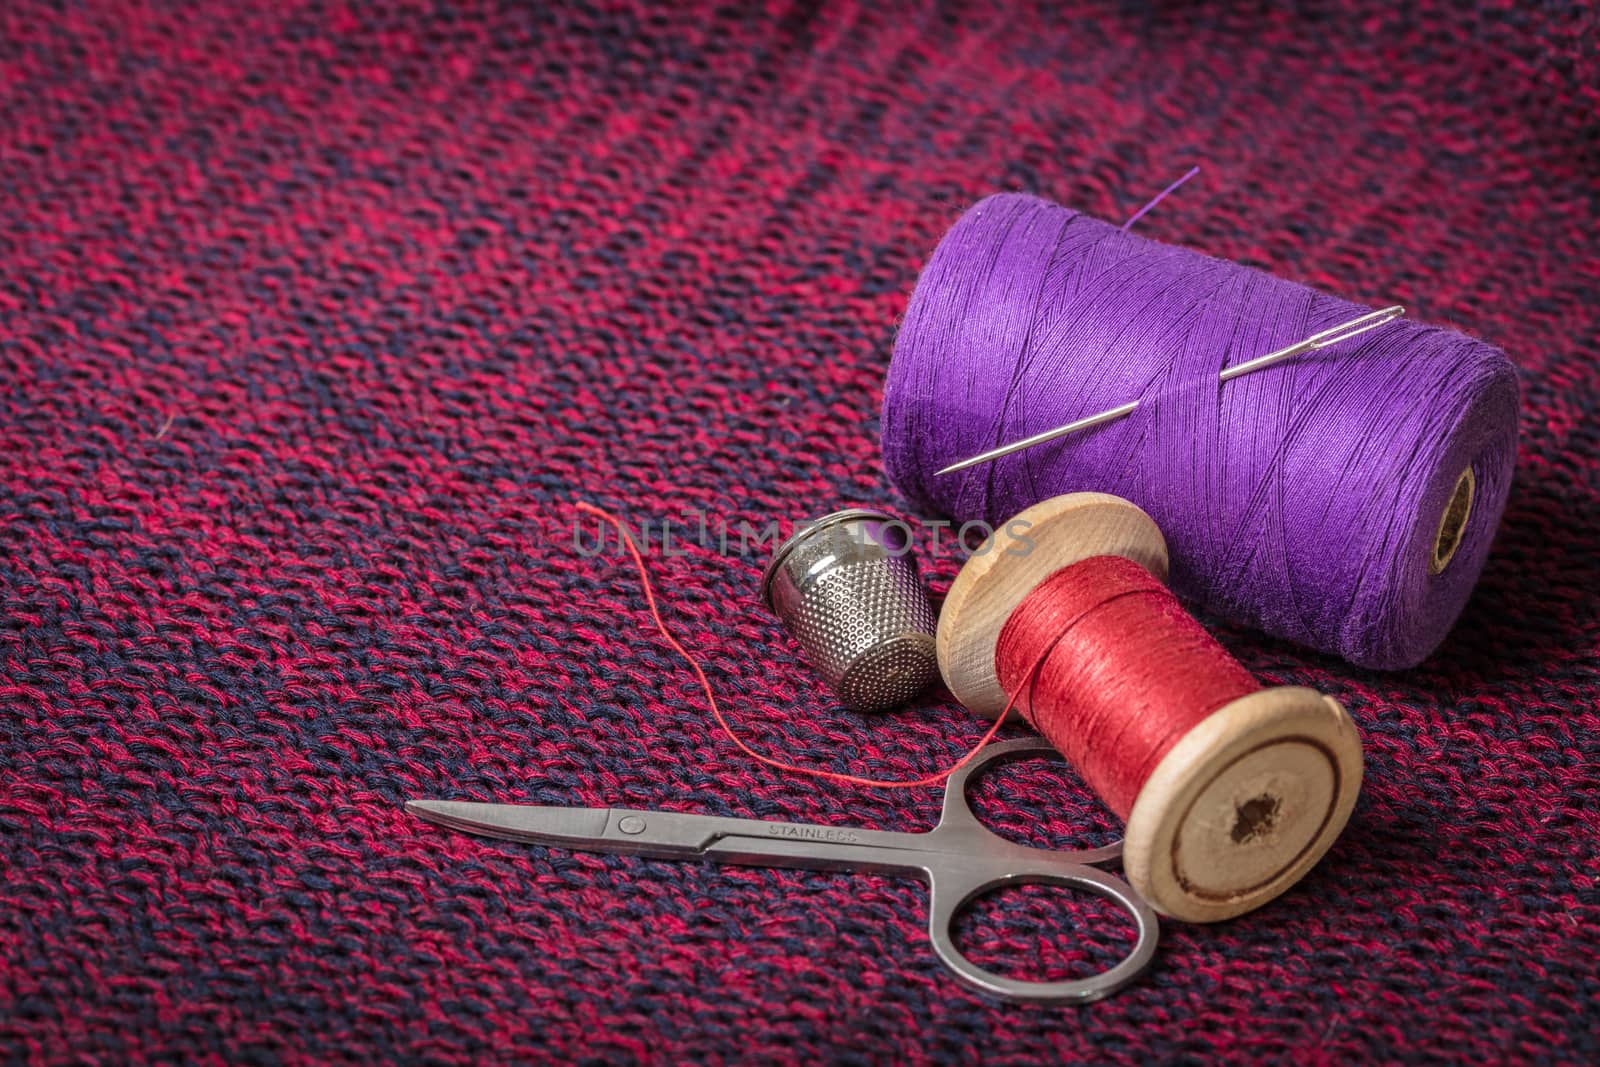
x=1343, y=332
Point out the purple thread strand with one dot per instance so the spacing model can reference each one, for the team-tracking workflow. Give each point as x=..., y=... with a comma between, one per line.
x=1162, y=195
x=1303, y=500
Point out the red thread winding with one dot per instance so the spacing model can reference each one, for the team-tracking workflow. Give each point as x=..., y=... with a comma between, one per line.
x=1113, y=671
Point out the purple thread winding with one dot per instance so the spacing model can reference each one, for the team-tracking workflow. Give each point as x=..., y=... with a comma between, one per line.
x=1304, y=499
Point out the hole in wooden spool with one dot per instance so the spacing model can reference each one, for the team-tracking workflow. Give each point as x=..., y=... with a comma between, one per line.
x=1453, y=523
x=1255, y=818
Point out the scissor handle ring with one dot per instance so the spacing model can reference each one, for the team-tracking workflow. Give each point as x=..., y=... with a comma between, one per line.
x=958, y=816
x=951, y=890
x=954, y=886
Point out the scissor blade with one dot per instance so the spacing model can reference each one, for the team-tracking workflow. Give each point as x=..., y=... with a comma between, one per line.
x=573, y=827
x=667, y=834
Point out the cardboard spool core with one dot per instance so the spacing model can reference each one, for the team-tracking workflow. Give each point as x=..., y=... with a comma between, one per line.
x=1245, y=803
x=1453, y=523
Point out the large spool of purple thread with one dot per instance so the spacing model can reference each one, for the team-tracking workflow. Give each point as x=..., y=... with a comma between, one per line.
x=1345, y=500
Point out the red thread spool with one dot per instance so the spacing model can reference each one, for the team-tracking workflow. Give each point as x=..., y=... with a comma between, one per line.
x=1231, y=792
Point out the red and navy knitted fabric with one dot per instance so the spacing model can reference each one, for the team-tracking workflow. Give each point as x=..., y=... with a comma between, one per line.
x=317, y=316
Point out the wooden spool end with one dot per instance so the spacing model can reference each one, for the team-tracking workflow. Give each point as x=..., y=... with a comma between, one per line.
x=1041, y=540
x=1244, y=804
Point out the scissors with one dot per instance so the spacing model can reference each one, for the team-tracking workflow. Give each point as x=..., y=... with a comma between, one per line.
x=960, y=859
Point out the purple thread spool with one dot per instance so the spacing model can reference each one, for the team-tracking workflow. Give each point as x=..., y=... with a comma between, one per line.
x=1345, y=500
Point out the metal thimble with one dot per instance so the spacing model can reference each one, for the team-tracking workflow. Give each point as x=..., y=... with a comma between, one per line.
x=846, y=587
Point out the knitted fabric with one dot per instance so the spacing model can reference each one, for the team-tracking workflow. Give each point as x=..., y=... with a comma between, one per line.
x=316, y=317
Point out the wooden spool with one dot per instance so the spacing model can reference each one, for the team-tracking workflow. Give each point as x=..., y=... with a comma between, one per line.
x=1245, y=803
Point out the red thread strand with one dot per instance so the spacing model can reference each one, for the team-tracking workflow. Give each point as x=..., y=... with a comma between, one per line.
x=716, y=710
x=1113, y=671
